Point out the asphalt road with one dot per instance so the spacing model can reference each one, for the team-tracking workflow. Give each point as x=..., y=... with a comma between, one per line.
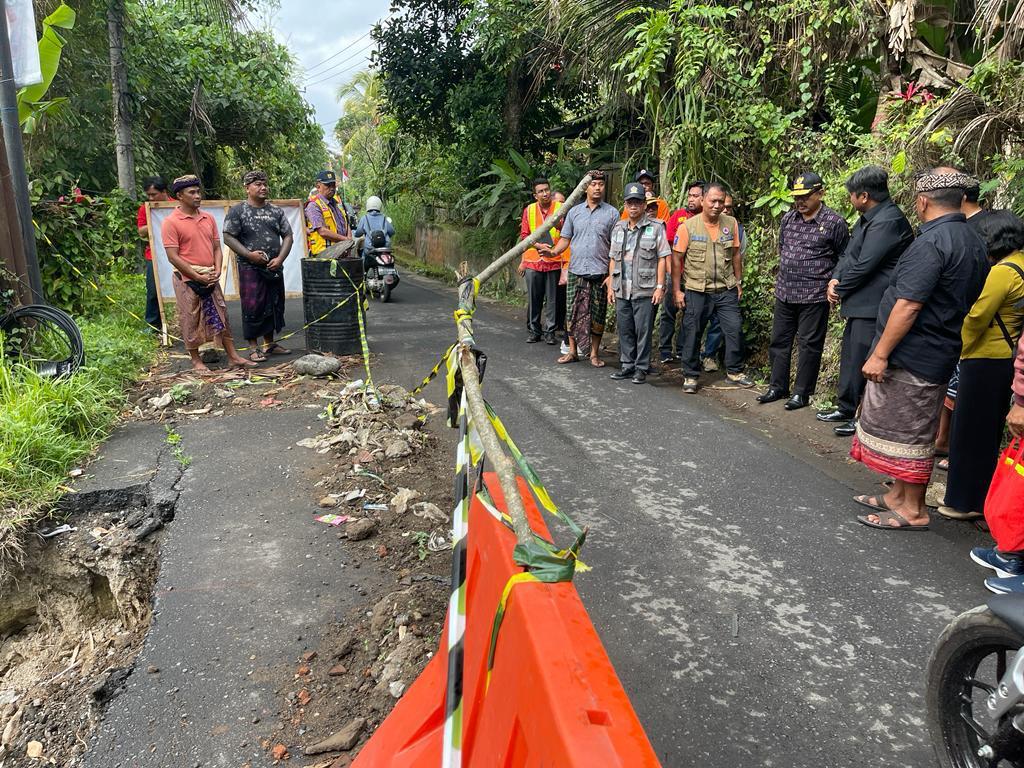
x=247, y=583
x=752, y=621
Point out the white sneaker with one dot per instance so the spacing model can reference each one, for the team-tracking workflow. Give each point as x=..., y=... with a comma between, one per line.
x=710, y=364
x=564, y=349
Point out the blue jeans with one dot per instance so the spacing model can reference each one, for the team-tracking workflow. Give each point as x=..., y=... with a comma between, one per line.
x=152, y=303
x=713, y=341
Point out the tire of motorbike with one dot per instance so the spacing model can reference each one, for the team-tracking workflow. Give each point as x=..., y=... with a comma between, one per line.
x=385, y=293
x=970, y=637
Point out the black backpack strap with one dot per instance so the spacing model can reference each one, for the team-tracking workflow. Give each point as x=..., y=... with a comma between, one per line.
x=998, y=319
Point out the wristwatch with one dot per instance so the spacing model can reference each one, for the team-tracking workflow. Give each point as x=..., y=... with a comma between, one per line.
x=659, y=287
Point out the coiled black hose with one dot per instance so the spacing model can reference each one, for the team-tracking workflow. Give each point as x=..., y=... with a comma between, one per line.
x=30, y=318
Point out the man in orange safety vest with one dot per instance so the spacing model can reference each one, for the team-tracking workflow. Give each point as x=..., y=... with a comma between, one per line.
x=541, y=272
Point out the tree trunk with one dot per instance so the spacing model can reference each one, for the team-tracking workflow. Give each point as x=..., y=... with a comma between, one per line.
x=119, y=89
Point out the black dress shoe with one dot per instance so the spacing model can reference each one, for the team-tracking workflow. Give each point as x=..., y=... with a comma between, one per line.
x=639, y=377
x=533, y=338
x=833, y=417
x=849, y=429
x=625, y=373
x=772, y=395
x=796, y=402
x=549, y=338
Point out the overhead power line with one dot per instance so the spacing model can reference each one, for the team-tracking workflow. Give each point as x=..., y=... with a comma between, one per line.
x=341, y=62
x=357, y=65
x=335, y=55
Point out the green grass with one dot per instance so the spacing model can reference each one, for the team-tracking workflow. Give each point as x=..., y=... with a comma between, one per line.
x=47, y=426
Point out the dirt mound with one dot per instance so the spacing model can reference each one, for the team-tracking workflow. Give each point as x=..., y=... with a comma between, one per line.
x=397, y=475
x=71, y=623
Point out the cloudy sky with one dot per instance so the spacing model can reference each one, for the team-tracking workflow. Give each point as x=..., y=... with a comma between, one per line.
x=331, y=41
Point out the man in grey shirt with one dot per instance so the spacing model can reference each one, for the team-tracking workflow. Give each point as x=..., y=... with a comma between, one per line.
x=588, y=228
x=637, y=270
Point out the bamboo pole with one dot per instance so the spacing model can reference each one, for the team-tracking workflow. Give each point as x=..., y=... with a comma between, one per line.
x=504, y=467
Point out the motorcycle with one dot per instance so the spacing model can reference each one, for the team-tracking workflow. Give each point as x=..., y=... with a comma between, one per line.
x=381, y=272
x=975, y=687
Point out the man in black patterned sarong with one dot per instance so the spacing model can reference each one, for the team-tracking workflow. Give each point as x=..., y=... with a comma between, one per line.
x=259, y=234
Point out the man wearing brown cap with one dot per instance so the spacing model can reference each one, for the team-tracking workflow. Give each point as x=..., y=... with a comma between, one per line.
x=917, y=344
x=811, y=238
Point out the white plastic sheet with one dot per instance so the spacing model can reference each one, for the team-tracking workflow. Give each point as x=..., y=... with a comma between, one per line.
x=293, y=209
x=21, y=31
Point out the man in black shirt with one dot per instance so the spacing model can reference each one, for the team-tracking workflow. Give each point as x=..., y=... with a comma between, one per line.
x=916, y=346
x=261, y=237
x=880, y=236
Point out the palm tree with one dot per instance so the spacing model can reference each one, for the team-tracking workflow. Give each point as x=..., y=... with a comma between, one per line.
x=359, y=131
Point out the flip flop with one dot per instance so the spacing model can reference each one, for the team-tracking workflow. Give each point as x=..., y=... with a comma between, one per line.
x=257, y=356
x=567, y=358
x=276, y=349
x=886, y=517
x=878, y=506
x=597, y=362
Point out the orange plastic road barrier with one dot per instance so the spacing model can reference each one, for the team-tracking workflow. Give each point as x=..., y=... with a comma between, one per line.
x=553, y=700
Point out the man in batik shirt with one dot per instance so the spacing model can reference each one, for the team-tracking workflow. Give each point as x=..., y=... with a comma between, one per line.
x=261, y=237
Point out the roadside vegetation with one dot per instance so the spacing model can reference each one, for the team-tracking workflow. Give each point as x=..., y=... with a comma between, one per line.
x=48, y=426
x=469, y=101
x=202, y=93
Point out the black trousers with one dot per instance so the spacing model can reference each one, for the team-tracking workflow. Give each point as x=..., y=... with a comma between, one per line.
x=982, y=401
x=807, y=323
x=560, y=308
x=857, y=337
x=633, y=318
x=541, y=296
x=667, y=317
x=152, y=302
x=700, y=308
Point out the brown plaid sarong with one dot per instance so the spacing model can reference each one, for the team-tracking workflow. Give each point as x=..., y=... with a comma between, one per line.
x=587, y=300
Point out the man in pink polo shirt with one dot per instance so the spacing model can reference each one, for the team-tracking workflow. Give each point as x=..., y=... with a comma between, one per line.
x=192, y=243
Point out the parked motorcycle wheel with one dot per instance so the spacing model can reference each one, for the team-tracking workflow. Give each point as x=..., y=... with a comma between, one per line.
x=970, y=657
x=385, y=293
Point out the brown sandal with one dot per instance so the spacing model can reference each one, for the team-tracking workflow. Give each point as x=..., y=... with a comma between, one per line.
x=568, y=357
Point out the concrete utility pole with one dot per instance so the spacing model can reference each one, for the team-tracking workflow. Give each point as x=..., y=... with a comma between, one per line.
x=123, y=146
x=16, y=161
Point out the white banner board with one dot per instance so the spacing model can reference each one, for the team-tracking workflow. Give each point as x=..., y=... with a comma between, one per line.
x=293, y=209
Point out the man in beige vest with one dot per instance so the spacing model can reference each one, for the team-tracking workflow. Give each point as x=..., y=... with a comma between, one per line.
x=707, y=274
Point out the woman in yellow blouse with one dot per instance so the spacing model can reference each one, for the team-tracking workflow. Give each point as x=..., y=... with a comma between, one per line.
x=989, y=335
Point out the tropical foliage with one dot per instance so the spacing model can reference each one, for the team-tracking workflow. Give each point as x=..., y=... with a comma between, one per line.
x=735, y=90
x=205, y=96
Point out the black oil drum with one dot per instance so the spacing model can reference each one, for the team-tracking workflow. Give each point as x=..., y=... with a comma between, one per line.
x=338, y=332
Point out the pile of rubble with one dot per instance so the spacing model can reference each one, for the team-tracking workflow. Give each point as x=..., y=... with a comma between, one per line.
x=388, y=498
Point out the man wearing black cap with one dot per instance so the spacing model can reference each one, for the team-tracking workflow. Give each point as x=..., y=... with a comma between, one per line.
x=636, y=267
x=325, y=222
x=811, y=238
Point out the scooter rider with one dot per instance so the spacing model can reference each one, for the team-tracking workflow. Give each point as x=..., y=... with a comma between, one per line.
x=373, y=221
